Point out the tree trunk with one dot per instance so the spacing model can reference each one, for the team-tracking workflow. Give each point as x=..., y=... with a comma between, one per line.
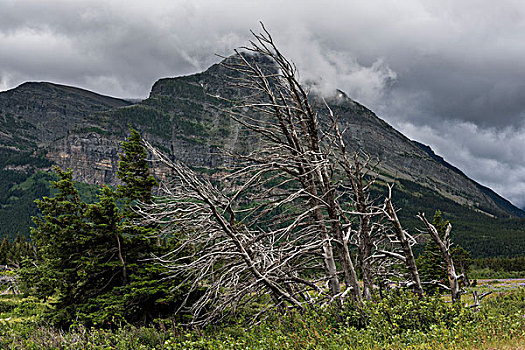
x=444, y=247
x=410, y=260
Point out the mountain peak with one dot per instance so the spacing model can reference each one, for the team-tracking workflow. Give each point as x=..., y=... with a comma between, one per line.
x=82, y=130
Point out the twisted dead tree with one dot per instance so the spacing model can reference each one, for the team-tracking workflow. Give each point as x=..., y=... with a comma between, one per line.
x=406, y=242
x=309, y=150
x=284, y=220
x=292, y=143
x=221, y=249
x=378, y=250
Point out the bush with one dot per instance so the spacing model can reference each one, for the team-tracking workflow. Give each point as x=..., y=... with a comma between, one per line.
x=7, y=305
x=400, y=311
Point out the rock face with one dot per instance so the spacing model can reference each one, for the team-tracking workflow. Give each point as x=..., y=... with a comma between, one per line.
x=54, y=119
x=92, y=157
x=185, y=117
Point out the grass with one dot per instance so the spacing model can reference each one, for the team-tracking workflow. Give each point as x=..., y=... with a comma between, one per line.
x=487, y=273
x=399, y=321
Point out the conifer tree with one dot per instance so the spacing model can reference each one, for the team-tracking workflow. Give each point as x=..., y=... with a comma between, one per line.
x=142, y=293
x=146, y=295
x=4, y=249
x=93, y=258
x=61, y=236
x=133, y=171
x=430, y=263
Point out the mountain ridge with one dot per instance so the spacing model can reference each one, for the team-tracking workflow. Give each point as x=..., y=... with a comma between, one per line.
x=44, y=123
x=181, y=115
x=491, y=193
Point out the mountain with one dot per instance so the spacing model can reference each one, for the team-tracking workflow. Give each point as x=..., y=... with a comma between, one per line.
x=32, y=117
x=43, y=124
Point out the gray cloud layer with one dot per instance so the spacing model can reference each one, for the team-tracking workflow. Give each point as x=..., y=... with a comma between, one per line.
x=447, y=73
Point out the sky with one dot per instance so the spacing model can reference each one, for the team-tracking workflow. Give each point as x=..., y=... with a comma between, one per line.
x=447, y=73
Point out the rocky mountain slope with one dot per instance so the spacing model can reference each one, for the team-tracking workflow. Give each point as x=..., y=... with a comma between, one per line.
x=44, y=123
x=183, y=116
x=35, y=114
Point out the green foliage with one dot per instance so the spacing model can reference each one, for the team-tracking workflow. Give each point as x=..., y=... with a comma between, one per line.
x=400, y=312
x=499, y=324
x=7, y=305
x=500, y=267
x=462, y=260
x=12, y=253
x=77, y=251
x=92, y=259
x=487, y=273
x=59, y=237
x=146, y=294
x=18, y=191
x=506, y=303
x=430, y=264
x=133, y=171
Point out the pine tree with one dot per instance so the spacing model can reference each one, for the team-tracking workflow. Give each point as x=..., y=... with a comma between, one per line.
x=133, y=171
x=61, y=236
x=77, y=253
x=143, y=294
x=147, y=295
x=93, y=258
x=430, y=264
x=103, y=269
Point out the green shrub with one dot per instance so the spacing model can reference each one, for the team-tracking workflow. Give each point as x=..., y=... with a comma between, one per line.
x=401, y=311
x=7, y=305
x=505, y=303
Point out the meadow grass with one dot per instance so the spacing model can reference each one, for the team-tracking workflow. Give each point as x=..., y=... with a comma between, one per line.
x=399, y=321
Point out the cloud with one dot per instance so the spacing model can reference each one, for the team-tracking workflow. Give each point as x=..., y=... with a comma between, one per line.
x=493, y=156
x=327, y=70
x=449, y=73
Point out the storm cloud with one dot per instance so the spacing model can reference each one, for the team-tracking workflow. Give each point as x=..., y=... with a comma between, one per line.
x=446, y=73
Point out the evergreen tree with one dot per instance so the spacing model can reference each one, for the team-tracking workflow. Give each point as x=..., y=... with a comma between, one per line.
x=61, y=236
x=77, y=247
x=430, y=264
x=5, y=247
x=102, y=268
x=133, y=171
x=147, y=295
x=93, y=258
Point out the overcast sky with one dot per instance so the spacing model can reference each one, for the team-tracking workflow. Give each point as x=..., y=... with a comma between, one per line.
x=447, y=73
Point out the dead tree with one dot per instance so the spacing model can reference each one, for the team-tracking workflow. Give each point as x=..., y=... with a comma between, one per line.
x=283, y=221
x=8, y=281
x=224, y=253
x=357, y=173
x=406, y=242
x=292, y=144
x=444, y=247
x=477, y=299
